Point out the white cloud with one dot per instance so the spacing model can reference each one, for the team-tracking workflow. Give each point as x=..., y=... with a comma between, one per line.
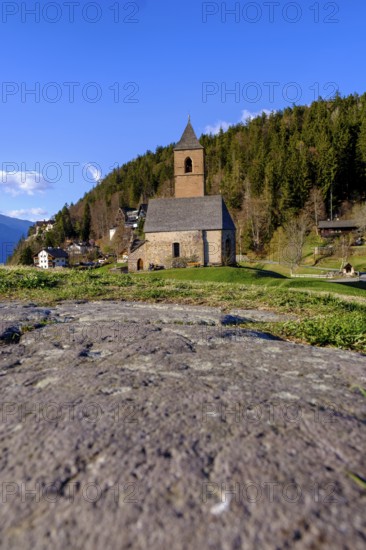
x=31, y=214
x=245, y=117
x=215, y=129
x=93, y=171
x=248, y=116
x=18, y=183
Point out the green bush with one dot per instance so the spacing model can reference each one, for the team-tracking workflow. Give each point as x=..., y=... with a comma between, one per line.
x=179, y=262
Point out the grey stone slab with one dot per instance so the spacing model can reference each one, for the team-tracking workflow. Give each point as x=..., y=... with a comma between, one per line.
x=140, y=426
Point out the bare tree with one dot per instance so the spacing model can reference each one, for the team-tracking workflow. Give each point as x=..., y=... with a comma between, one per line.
x=315, y=207
x=100, y=218
x=343, y=249
x=255, y=217
x=296, y=230
x=121, y=240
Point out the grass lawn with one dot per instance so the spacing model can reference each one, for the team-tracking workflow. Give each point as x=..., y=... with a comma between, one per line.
x=107, y=267
x=255, y=276
x=325, y=314
x=283, y=270
x=358, y=262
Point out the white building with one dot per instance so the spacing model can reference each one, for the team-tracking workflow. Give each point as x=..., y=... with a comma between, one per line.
x=77, y=248
x=112, y=233
x=49, y=258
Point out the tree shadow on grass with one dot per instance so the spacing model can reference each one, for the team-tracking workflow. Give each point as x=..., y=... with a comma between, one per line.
x=355, y=284
x=232, y=327
x=261, y=273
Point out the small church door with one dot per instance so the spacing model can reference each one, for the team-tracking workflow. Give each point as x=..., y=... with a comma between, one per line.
x=140, y=265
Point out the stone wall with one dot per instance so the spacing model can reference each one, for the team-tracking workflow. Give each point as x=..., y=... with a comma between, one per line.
x=213, y=251
x=159, y=246
x=208, y=246
x=138, y=259
x=215, y=247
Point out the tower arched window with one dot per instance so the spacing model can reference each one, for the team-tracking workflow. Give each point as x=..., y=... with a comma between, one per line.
x=188, y=165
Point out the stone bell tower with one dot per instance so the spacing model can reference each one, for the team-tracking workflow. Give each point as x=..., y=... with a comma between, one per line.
x=189, y=165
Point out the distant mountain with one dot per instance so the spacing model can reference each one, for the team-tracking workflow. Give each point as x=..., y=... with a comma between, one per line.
x=11, y=230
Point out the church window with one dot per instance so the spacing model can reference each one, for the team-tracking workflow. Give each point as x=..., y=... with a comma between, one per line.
x=188, y=165
x=176, y=250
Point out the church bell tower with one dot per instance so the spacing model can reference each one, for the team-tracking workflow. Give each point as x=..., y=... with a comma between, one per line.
x=189, y=165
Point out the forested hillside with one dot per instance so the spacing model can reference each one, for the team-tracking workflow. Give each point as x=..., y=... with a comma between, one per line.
x=266, y=170
x=271, y=164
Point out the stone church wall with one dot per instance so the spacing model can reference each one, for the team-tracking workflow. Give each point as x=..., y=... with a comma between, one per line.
x=213, y=245
x=208, y=246
x=159, y=246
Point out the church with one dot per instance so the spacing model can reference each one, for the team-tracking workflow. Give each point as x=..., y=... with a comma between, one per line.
x=192, y=226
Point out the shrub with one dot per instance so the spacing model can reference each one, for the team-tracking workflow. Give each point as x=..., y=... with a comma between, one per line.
x=180, y=262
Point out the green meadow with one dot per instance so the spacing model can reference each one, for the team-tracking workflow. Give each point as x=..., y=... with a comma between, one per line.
x=322, y=313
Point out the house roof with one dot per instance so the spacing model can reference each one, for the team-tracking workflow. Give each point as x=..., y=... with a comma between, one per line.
x=338, y=224
x=188, y=214
x=188, y=140
x=56, y=252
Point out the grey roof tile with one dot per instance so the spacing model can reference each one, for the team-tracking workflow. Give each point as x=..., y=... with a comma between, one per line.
x=188, y=214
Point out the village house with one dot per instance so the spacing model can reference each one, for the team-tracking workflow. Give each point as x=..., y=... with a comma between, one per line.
x=76, y=249
x=192, y=226
x=129, y=218
x=49, y=258
x=133, y=217
x=81, y=248
x=335, y=228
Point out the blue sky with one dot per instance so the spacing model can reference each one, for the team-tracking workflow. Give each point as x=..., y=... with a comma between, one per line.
x=111, y=80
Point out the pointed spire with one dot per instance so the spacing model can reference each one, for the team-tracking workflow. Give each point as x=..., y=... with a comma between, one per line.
x=189, y=139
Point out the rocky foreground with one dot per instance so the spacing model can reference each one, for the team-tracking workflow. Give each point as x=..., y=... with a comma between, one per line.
x=128, y=425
